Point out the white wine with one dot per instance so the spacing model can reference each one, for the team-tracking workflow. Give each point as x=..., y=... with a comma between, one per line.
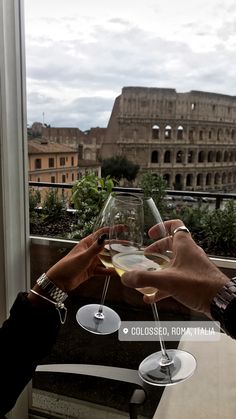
x=105, y=257
x=151, y=262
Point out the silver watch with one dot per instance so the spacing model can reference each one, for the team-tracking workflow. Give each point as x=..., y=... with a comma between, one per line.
x=221, y=301
x=55, y=293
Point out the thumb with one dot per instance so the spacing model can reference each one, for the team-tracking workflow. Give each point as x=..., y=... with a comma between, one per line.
x=139, y=279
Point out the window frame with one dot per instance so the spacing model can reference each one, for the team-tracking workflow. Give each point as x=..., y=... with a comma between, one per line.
x=14, y=218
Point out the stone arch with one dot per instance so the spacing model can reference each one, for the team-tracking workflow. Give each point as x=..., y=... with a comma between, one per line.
x=217, y=179
x=208, y=179
x=219, y=134
x=199, y=179
x=167, y=156
x=189, y=179
x=179, y=156
x=154, y=156
x=178, y=181
x=218, y=156
x=190, y=156
x=224, y=178
x=166, y=177
x=201, y=156
x=210, y=156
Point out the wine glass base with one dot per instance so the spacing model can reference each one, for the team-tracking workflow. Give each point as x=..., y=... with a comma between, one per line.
x=110, y=322
x=153, y=372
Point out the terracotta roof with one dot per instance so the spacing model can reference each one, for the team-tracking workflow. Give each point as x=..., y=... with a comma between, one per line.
x=37, y=146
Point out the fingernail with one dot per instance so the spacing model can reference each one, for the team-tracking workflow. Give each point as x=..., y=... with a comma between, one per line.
x=102, y=238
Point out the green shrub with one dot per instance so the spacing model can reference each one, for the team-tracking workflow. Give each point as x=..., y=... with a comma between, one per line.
x=88, y=196
x=53, y=204
x=220, y=230
x=214, y=230
x=34, y=199
x=155, y=186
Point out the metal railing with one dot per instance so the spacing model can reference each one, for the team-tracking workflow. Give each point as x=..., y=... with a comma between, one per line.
x=218, y=197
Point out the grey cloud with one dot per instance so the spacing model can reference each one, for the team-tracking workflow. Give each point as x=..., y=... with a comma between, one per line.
x=76, y=113
x=113, y=60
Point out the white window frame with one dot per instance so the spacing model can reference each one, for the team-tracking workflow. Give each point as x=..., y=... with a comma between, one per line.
x=14, y=230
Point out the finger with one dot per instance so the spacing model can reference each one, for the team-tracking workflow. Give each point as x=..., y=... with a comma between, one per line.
x=170, y=226
x=88, y=254
x=100, y=232
x=161, y=246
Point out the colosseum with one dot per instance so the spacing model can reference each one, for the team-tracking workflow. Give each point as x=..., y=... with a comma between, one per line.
x=187, y=138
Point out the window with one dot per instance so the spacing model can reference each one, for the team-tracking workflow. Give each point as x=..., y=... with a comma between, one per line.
x=72, y=161
x=189, y=180
x=190, y=156
x=62, y=161
x=72, y=177
x=167, y=157
x=168, y=132
x=51, y=162
x=155, y=132
x=80, y=152
x=52, y=179
x=180, y=131
x=201, y=156
x=37, y=164
x=179, y=156
x=63, y=178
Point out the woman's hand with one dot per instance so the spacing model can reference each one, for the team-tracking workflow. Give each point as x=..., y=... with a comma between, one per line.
x=192, y=279
x=81, y=263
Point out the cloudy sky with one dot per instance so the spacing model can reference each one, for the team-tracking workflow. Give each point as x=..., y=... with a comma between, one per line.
x=80, y=53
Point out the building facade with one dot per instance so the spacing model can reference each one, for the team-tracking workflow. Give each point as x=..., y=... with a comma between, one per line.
x=51, y=162
x=86, y=144
x=187, y=138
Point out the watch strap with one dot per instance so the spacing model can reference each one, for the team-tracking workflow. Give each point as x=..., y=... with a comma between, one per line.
x=51, y=290
x=222, y=302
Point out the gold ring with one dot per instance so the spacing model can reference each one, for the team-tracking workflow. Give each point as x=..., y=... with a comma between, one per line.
x=181, y=228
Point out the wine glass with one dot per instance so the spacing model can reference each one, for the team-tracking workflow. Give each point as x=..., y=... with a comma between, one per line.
x=129, y=250
x=98, y=318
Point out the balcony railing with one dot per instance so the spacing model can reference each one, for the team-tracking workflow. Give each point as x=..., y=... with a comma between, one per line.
x=216, y=197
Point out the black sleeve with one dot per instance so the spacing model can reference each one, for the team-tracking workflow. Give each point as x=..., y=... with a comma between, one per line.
x=230, y=319
x=25, y=338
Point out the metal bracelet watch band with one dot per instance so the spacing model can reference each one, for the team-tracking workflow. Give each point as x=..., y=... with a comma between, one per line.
x=54, y=293
x=222, y=300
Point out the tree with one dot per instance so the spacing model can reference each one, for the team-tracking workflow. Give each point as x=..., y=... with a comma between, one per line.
x=119, y=167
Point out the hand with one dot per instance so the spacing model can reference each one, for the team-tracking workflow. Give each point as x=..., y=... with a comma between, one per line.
x=80, y=264
x=192, y=279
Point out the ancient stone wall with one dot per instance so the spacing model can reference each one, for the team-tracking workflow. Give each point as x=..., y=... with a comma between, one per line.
x=188, y=138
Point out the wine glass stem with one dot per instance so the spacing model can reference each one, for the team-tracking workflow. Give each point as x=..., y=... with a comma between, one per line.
x=165, y=359
x=99, y=314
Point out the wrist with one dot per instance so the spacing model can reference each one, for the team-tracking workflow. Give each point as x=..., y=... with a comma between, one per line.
x=222, y=304
x=45, y=292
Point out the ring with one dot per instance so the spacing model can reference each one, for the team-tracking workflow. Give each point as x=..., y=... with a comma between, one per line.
x=181, y=228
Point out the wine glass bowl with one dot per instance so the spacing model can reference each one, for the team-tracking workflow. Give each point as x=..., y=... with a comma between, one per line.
x=165, y=367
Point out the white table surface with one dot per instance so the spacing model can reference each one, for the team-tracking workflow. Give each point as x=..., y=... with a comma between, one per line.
x=211, y=392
